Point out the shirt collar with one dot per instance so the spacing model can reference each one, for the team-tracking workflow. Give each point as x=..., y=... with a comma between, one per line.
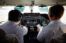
x=54, y=21
x=11, y=22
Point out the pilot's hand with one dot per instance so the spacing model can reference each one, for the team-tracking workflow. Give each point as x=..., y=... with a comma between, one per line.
x=27, y=27
x=38, y=29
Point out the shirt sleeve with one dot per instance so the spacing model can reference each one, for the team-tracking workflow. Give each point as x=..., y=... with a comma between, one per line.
x=20, y=35
x=63, y=26
x=25, y=30
x=42, y=34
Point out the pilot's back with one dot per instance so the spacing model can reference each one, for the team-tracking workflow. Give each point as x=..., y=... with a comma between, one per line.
x=53, y=30
x=12, y=28
x=9, y=27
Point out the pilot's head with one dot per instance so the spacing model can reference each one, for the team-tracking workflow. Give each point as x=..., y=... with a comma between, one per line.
x=15, y=16
x=56, y=12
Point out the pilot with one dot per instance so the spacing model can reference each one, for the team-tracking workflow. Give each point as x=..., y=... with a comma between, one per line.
x=12, y=27
x=55, y=28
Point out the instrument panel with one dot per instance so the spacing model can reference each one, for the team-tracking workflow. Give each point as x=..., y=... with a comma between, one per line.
x=32, y=19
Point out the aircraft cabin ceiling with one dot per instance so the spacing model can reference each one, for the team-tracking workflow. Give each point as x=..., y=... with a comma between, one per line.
x=30, y=2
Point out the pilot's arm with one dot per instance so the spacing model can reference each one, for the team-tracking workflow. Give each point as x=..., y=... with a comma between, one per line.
x=41, y=35
x=20, y=34
x=25, y=30
x=63, y=27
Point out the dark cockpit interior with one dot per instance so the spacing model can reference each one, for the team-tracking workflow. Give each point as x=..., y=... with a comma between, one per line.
x=31, y=20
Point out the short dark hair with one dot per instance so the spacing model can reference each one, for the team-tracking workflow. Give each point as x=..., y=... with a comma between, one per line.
x=14, y=15
x=57, y=11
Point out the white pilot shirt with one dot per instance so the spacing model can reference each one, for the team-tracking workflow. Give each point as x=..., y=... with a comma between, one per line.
x=25, y=29
x=53, y=29
x=12, y=28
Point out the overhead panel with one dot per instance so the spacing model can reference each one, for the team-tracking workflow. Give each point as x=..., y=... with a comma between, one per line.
x=50, y=2
x=29, y=2
x=45, y=2
x=63, y=2
x=15, y=2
